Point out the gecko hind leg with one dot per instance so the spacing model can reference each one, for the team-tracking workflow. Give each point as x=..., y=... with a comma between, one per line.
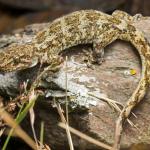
x=52, y=67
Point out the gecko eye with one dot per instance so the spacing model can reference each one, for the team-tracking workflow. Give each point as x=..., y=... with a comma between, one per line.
x=16, y=60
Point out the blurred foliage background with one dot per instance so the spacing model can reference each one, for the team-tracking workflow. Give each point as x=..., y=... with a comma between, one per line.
x=16, y=14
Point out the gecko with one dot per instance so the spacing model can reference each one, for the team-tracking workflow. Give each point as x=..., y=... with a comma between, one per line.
x=83, y=27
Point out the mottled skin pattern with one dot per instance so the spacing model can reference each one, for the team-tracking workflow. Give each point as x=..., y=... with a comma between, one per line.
x=82, y=27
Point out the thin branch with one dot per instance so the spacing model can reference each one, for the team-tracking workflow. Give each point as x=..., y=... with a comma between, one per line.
x=85, y=137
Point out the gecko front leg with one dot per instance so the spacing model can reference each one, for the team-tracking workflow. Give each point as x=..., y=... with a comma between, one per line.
x=102, y=41
x=98, y=52
x=53, y=66
x=94, y=55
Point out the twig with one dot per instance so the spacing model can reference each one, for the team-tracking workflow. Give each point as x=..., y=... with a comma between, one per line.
x=85, y=137
x=66, y=83
x=114, y=104
x=67, y=126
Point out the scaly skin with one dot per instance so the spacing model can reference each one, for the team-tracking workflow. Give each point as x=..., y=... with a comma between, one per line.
x=82, y=27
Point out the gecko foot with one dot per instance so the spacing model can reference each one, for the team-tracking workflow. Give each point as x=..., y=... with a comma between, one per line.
x=90, y=58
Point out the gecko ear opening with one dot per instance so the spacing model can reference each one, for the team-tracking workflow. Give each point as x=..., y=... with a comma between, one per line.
x=2, y=72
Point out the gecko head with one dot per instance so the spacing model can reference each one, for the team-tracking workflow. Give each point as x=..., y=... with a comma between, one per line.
x=11, y=64
x=121, y=15
x=15, y=58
